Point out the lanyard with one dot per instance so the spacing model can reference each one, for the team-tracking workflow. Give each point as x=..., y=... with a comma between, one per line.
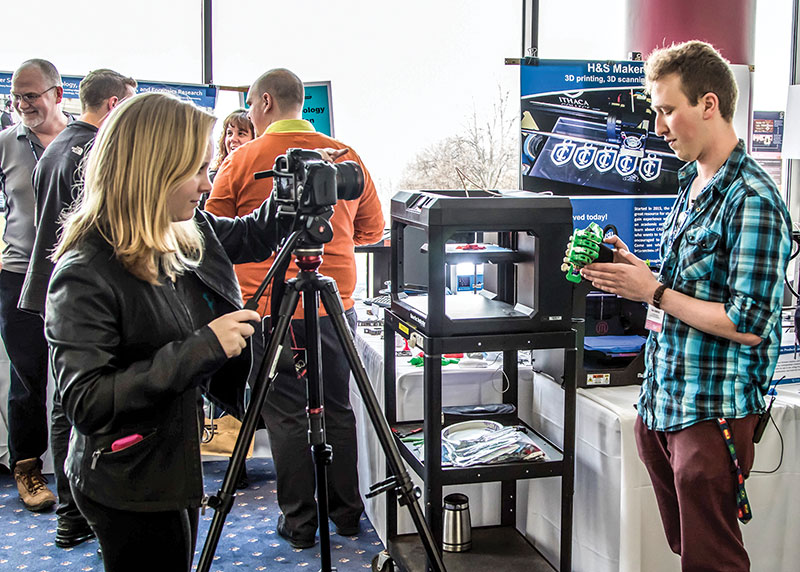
x=33, y=149
x=745, y=514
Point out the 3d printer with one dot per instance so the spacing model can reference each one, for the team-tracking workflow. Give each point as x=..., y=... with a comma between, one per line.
x=517, y=236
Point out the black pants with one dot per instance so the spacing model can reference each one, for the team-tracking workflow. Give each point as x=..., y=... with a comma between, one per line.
x=60, y=429
x=137, y=541
x=284, y=413
x=23, y=336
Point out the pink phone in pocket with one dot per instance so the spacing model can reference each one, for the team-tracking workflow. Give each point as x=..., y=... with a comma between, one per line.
x=125, y=442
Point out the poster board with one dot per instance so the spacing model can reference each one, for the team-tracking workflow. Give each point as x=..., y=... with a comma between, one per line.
x=317, y=108
x=588, y=132
x=767, y=142
x=204, y=96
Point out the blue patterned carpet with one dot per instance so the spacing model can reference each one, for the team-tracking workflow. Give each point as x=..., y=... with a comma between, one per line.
x=249, y=540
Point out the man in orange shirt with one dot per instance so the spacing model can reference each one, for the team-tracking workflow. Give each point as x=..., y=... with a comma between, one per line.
x=276, y=102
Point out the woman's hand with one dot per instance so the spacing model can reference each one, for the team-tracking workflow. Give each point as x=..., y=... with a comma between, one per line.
x=232, y=330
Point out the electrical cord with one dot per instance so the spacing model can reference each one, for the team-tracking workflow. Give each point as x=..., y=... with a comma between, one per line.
x=780, y=459
x=796, y=241
x=774, y=392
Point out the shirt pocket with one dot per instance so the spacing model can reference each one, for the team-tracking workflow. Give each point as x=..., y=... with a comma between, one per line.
x=698, y=252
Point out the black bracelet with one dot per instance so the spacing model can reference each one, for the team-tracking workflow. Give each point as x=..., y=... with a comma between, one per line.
x=657, y=296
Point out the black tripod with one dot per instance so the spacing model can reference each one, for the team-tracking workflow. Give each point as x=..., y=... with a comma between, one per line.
x=306, y=245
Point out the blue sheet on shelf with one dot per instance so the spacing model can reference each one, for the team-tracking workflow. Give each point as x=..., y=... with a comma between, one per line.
x=614, y=344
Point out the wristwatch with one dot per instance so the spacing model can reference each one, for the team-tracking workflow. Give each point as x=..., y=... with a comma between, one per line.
x=657, y=295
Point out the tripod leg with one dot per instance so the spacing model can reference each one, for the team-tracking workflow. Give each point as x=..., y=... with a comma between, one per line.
x=320, y=450
x=223, y=501
x=405, y=489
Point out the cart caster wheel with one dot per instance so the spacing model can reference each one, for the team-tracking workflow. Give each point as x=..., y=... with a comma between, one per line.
x=383, y=562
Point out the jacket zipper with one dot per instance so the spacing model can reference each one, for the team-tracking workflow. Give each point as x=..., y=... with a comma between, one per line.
x=183, y=306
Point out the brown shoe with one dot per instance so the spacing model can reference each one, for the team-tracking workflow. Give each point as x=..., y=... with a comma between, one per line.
x=31, y=485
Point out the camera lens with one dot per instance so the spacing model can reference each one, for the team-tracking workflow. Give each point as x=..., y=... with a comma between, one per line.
x=349, y=180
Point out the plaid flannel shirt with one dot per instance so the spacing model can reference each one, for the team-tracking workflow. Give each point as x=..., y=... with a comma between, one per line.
x=732, y=246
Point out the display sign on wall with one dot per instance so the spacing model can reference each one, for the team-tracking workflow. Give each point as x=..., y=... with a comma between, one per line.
x=767, y=131
x=767, y=142
x=588, y=133
x=202, y=95
x=317, y=107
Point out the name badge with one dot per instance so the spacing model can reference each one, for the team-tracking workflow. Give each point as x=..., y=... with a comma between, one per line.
x=655, y=319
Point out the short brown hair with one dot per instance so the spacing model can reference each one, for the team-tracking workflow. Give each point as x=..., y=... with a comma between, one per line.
x=284, y=86
x=151, y=145
x=702, y=70
x=99, y=85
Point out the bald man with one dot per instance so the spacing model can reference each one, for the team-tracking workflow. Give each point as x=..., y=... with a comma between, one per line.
x=276, y=103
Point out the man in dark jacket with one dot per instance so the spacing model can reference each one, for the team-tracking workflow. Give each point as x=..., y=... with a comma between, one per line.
x=6, y=119
x=57, y=181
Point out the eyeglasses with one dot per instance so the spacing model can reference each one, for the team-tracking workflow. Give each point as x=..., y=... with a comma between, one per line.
x=30, y=98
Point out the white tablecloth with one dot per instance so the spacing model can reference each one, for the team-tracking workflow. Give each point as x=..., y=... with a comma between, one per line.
x=616, y=525
x=460, y=386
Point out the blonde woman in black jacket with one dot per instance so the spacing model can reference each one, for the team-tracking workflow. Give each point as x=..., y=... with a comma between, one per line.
x=143, y=314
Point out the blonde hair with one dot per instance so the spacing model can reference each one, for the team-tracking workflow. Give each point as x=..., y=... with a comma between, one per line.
x=150, y=145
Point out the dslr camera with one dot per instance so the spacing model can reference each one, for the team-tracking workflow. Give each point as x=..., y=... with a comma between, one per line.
x=304, y=182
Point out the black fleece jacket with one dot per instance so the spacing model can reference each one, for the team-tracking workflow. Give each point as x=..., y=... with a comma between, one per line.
x=57, y=183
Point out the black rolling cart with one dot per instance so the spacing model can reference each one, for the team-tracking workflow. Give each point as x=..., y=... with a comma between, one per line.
x=525, y=304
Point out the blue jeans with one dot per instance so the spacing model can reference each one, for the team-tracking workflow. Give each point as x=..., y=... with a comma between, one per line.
x=23, y=337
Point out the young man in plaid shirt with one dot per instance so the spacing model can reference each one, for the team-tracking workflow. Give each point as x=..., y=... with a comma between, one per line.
x=714, y=311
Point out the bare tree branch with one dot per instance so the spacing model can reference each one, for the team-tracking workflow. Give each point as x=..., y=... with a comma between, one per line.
x=486, y=152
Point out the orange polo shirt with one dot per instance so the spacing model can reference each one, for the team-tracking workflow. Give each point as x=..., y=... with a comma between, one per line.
x=236, y=193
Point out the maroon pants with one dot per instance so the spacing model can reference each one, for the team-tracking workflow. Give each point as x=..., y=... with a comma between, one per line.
x=695, y=485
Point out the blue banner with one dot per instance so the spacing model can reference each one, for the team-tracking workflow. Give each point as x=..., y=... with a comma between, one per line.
x=638, y=221
x=573, y=75
x=201, y=95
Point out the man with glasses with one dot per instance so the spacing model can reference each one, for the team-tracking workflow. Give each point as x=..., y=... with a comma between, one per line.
x=57, y=181
x=36, y=93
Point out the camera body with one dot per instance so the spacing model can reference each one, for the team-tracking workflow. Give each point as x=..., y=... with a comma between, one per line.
x=305, y=182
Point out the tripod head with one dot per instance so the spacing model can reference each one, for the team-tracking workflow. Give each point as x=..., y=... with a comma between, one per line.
x=305, y=189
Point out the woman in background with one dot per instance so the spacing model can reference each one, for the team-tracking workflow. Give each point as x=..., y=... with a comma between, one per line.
x=237, y=129
x=143, y=314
